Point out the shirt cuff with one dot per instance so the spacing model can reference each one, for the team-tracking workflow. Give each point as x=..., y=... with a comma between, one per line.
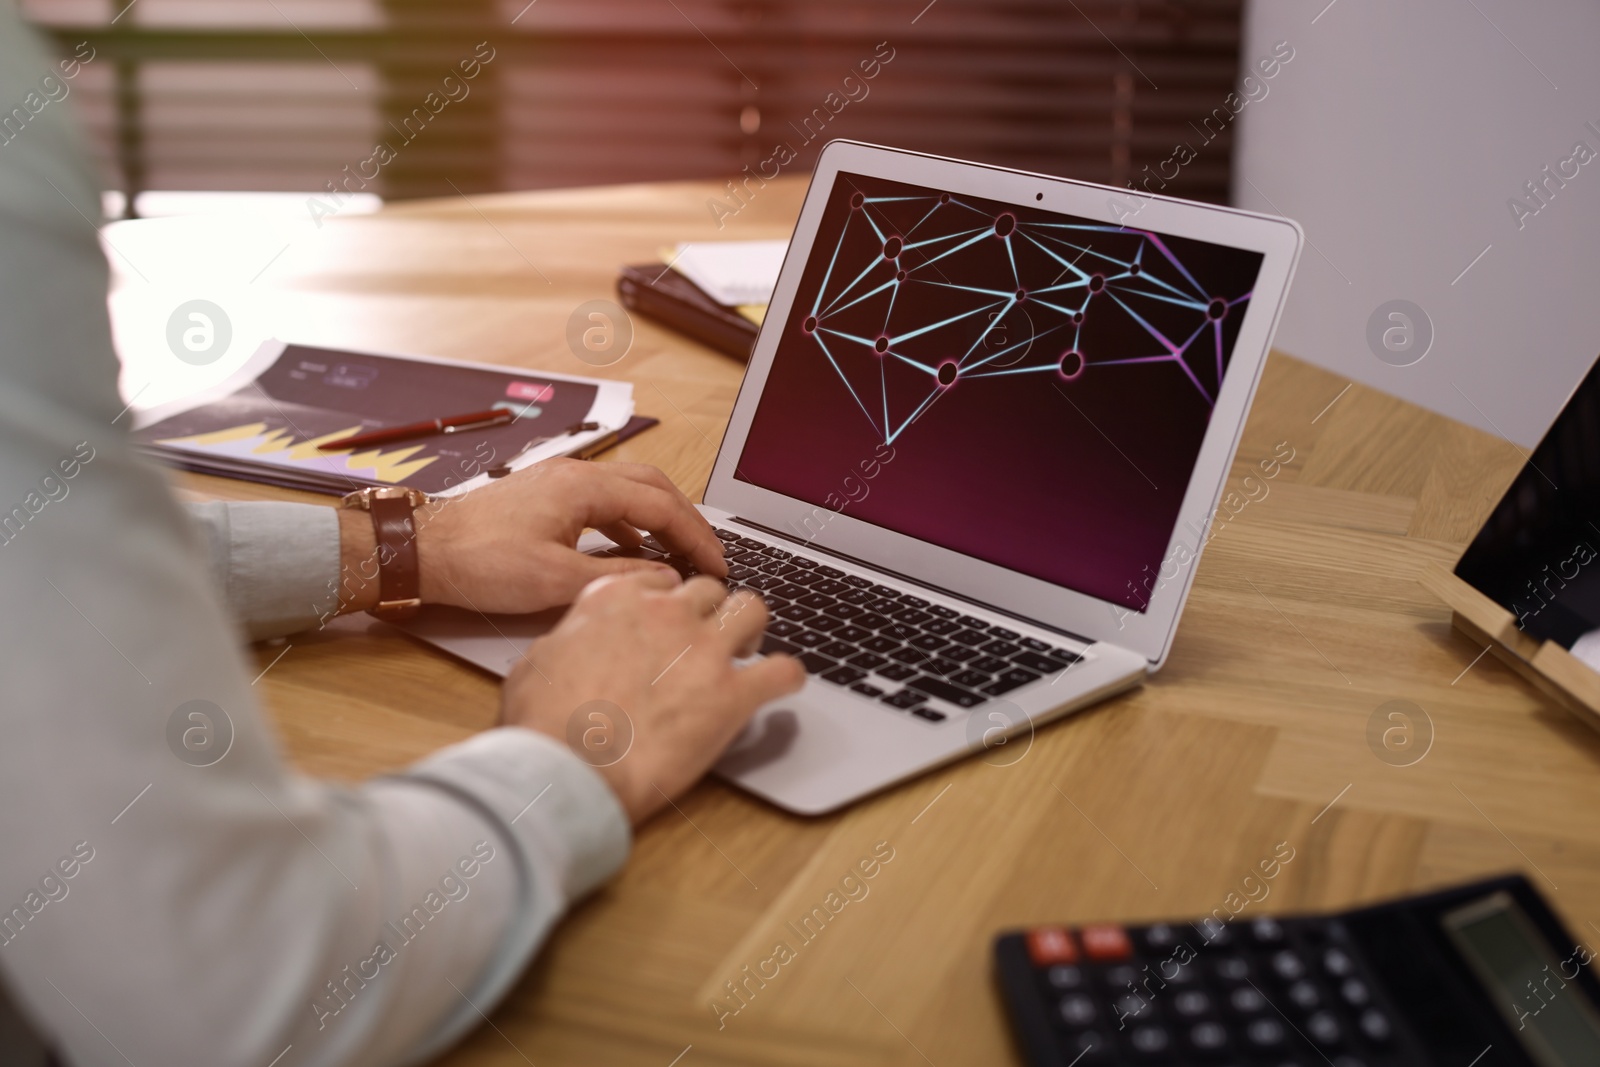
x=554, y=807
x=277, y=563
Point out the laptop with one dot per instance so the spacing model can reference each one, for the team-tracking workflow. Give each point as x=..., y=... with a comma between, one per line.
x=983, y=432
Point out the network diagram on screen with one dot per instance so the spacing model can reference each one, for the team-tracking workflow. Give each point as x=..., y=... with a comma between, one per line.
x=973, y=326
x=1042, y=381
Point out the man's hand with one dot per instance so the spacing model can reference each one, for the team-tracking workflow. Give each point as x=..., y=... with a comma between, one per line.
x=639, y=680
x=509, y=547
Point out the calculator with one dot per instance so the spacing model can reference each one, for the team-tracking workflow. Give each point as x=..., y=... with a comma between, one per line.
x=1483, y=975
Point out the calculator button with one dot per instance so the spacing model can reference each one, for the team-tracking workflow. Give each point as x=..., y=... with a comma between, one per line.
x=1076, y=1010
x=1062, y=976
x=1051, y=944
x=1265, y=1033
x=1304, y=995
x=1376, y=1026
x=1090, y=1047
x=1231, y=969
x=1266, y=931
x=1288, y=966
x=1323, y=1028
x=1191, y=1003
x=1208, y=1037
x=1338, y=963
x=1174, y=973
x=1123, y=977
x=1160, y=936
x=1355, y=992
x=1103, y=941
x=1131, y=1006
x=1246, y=1000
x=1150, y=1040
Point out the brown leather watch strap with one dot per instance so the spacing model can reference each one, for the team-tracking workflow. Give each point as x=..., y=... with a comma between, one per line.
x=399, y=579
x=394, y=527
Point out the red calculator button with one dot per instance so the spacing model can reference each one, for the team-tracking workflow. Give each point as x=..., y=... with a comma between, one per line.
x=1049, y=945
x=1106, y=942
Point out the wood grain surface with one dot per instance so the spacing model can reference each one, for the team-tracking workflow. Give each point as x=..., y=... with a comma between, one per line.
x=1264, y=727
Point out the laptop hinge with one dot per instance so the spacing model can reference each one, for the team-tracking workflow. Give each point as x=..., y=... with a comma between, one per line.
x=812, y=546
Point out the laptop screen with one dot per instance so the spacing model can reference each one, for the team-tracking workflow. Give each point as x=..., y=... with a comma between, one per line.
x=1022, y=386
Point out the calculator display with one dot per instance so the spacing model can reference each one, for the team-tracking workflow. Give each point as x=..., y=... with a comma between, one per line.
x=1548, y=1013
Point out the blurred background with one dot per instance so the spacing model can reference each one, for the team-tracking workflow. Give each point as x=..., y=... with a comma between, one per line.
x=264, y=95
x=1398, y=135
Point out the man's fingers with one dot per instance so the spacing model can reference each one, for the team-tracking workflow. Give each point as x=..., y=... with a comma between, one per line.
x=704, y=594
x=646, y=498
x=742, y=617
x=768, y=679
x=622, y=534
x=654, y=576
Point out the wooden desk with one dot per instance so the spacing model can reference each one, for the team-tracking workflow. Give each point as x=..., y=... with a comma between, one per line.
x=1305, y=618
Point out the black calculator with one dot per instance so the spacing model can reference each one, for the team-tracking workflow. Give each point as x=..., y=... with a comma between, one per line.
x=1483, y=975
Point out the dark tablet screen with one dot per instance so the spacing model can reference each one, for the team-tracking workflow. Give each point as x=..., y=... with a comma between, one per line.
x=1539, y=554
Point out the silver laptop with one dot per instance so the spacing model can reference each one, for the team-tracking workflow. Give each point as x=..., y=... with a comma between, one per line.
x=983, y=432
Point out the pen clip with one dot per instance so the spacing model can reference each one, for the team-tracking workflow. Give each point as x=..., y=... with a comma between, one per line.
x=503, y=469
x=498, y=420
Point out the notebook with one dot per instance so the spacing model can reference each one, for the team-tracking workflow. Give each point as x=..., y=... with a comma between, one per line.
x=266, y=421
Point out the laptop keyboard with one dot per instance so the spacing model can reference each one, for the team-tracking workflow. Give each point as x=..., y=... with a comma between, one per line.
x=875, y=640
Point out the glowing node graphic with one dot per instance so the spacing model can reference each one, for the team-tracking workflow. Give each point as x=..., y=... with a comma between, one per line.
x=924, y=291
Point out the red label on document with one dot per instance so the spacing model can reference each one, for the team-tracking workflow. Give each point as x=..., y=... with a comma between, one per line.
x=531, y=391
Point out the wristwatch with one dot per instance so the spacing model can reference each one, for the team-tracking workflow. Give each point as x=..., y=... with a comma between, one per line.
x=399, y=580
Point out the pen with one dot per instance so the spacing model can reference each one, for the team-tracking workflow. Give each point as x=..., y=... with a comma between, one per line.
x=475, y=420
x=599, y=444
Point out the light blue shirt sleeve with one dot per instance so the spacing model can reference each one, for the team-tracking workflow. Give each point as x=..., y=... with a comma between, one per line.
x=171, y=890
x=276, y=564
